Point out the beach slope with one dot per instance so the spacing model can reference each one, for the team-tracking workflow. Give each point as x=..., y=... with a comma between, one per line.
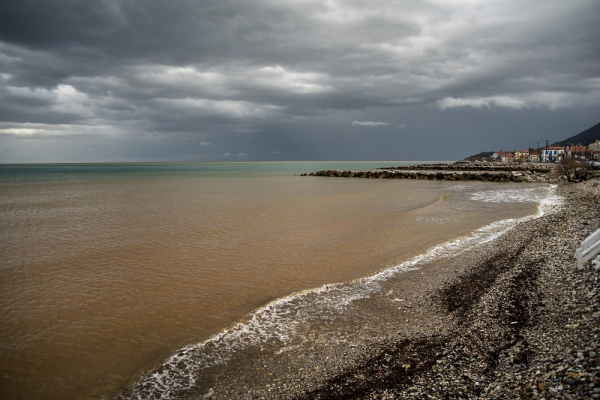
x=514, y=317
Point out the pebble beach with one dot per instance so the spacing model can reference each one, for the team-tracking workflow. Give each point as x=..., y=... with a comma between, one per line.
x=511, y=318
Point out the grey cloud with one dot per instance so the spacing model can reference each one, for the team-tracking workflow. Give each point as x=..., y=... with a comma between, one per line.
x=229, y=68
x=369, y=123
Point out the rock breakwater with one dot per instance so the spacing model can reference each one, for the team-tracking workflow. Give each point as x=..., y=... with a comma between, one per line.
x=478, y=166
x=459, y=171
x=445, y=175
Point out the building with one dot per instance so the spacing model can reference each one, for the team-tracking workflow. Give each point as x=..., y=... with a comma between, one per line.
x=552, y=154
x=577, y=152
x=533, y=156
x=503, y=156
x=521, y=155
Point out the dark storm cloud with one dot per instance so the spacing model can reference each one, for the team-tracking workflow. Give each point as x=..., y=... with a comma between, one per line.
x=251, y=71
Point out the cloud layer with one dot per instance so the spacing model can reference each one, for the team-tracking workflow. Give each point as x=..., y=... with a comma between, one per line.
x=233, y=72
x=369, y=123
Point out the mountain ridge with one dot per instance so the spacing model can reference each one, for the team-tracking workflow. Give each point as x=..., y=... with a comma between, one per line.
x=589, y=135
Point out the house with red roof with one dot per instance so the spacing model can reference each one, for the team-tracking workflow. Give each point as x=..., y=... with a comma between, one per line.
x=521, y=155
x=503, y=156
x=552, y=154
x=533, y=156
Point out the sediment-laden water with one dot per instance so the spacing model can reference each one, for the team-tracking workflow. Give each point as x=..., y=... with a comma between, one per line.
x=140, y=276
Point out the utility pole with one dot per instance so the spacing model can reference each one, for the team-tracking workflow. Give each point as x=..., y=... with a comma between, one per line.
x=546, y=153
x=587, y=143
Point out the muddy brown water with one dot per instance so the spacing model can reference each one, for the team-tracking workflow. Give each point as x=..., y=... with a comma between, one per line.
x=104, y=276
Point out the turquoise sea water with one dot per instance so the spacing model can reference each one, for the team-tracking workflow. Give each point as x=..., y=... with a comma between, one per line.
x=40, y=173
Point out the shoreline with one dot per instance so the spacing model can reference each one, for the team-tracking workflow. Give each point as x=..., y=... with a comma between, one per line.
x=474, y=325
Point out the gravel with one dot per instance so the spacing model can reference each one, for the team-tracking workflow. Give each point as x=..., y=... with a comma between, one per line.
x=513, y=318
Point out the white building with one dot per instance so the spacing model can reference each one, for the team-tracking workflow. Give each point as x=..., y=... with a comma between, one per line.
x=552, y=154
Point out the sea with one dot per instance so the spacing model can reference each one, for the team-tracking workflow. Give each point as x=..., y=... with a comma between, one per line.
x=128, y=280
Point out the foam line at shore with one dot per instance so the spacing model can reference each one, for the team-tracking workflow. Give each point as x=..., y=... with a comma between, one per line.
x=549, y=203
x=278, y=321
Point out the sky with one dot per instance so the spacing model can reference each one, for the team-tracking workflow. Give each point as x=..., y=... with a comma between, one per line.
x=292, y=80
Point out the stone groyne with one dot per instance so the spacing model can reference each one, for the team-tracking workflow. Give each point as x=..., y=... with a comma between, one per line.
x=476, y=166
x=458, y=171
x=446, y=175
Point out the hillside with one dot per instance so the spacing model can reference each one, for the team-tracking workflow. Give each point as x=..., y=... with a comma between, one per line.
x=591, y=135
x=480, y=156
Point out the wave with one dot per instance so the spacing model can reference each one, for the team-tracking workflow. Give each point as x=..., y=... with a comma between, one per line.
x=276, y=322
x=435, y=202
x=512, y=195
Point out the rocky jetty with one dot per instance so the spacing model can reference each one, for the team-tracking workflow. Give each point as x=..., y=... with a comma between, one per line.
x=488, y=176
x=459, y=171
x=476, y=166
x=512, y=318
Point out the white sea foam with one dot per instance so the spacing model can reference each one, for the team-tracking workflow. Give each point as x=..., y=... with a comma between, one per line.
x=550, y=202
x=276, y=322
x=512, y=195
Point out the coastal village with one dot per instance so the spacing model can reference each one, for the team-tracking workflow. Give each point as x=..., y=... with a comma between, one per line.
x=551, y=164
x=547, y=154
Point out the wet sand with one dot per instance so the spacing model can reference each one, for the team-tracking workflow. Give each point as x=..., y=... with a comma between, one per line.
x=511, y=318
